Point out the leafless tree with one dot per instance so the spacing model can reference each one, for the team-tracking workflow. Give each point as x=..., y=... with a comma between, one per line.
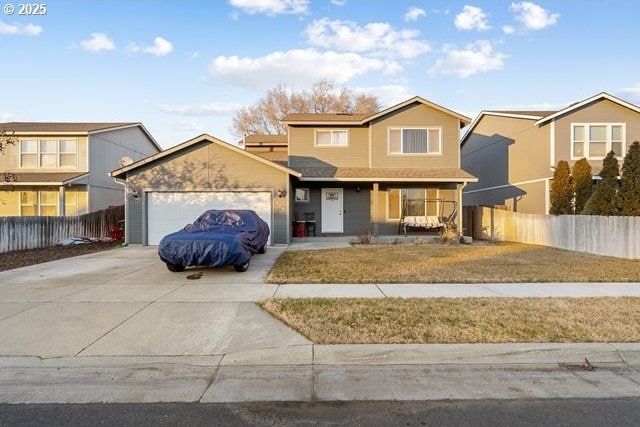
x=6, y=138
x=265, y=117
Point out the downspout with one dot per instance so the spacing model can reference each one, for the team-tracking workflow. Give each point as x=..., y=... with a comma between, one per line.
x=126, y=208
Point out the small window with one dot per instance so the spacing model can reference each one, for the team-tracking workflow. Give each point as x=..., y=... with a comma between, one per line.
x=302, y=195
x=68, y=156
x=28, y=203
x=48, y=203
x=578, y=141
x=414, y=141
x=332, y=138
x=28, y=154
x=48, y=153
x=616, y=140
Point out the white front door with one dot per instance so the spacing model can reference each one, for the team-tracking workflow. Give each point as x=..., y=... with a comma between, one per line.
x=332, y=208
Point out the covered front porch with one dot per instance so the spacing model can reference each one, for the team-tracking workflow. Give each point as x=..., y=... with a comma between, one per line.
x=350, y=209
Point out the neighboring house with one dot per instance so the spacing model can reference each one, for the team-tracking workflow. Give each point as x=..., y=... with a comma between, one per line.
x=62, y=169
x=349, y=172
x=514, y=153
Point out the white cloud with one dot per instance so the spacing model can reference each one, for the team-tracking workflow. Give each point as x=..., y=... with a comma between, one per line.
x=477, y=57
x=296, y=67
x=98, y=42
x=388, y=95
x=632, y=90
x=160, y=47
x=338, y=2
x=272, y=7
x=186, y=126
x=19, y=29
x=532, y=16
x=508, y=29
x=211, y=109
x=472, y=18
x=414, y=13
x=378, y=38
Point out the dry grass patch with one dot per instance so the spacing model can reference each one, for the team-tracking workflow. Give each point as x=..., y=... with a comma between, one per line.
x=461, y=320
x=436, y=263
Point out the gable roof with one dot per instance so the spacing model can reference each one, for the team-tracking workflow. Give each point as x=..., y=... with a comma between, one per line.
x=263, y=139
x=72, y=128
x=361, y=119
x=516, y=114
x=580, y=104
x=202, y=138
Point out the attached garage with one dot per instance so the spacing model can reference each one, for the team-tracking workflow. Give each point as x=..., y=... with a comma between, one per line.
x=171, y=189
x=168, y=211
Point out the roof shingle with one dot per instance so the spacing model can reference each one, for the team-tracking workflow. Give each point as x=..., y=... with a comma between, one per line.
x=60, y=126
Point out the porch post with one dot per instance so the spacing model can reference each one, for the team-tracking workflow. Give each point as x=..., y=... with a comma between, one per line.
x=459, y=188
x=375, y=207
x=61, y=201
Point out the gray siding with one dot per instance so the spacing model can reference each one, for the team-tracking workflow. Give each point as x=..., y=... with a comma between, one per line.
x=105, y=151
x=357, y=205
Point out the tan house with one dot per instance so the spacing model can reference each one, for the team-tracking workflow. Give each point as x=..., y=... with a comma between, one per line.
x=343, y=172
x=58, y=169
x=513, y=153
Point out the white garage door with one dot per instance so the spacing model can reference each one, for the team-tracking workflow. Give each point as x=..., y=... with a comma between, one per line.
x=170, y=211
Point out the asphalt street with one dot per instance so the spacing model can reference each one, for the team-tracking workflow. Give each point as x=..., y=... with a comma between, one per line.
x=553, y=412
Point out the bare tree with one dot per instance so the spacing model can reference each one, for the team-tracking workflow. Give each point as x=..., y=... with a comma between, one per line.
x=265, y=117
x=6, y=138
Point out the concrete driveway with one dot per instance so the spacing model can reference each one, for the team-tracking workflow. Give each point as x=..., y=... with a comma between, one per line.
x=126, y=303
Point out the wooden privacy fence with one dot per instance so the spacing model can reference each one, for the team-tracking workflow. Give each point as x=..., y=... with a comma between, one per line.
x=617, y=236
x=29, y=232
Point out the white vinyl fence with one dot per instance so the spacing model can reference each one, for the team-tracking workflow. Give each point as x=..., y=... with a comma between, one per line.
x=29, y=232
x=617, y=236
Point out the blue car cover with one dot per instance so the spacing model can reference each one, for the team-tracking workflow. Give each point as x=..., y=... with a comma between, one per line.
x=215, y=239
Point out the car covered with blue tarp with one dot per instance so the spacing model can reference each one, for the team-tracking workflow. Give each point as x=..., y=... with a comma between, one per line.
x=217, y=238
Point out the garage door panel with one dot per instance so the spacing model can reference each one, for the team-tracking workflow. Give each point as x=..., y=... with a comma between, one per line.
x=170, y=211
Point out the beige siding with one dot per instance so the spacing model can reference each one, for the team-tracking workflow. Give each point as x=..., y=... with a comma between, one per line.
x=10, y=160
x=416, y=115
x=208, y=167
x=303, y=151
x=602, y=111
x=9, y=203
x=507, y=152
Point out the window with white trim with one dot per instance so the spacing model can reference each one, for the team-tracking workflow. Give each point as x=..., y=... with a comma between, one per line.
x=49, y=153
x=595, y=140
x=28, y=153
x=332, y=138
x=411, y=202
x=415, y=141
x=302, y=195
x=38, y=203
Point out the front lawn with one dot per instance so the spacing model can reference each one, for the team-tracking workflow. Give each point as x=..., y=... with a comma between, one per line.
x=437, y=263
x=463, y=320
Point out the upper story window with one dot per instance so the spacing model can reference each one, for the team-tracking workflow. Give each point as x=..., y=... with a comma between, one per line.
x=48, y=153
x=595, y=140
x=332, y=138
x=415, y=141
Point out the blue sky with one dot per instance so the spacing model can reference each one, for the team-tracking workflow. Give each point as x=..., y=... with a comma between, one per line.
x=184, y=67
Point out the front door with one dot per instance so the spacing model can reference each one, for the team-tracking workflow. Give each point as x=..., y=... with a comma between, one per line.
x=332, y=210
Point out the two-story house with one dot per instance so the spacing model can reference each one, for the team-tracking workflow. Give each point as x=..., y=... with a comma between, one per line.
x=344, y=172
x=513, y=153
x=62, y=169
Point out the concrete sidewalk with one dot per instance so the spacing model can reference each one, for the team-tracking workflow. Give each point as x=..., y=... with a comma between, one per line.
x=119, y=327
x=332, y=373
x=459, y=290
